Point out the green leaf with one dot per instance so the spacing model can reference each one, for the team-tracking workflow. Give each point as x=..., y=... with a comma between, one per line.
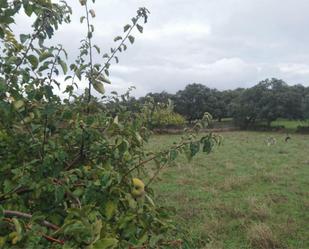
x=140, y=28
x=110, y=209
x=24, y=38
x=63, y=66
x=134, y=20
x=126, y=28
x=1, y=212
x=1, y=32
x=117, y=38
x=12, y=60
x=18, y=104
x=104, y=79
x=131, y=39
x=97, y=48
x=99, y=87
x=106, y=243
x=33, y=60
x=28, y=9
x=105, y=55
x=2, y=85
x=45, y=55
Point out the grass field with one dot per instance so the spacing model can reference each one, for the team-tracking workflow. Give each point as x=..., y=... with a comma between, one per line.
x=244, y=195
x=290, y=124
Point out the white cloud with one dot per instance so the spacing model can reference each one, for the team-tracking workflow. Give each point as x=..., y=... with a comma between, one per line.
x=301, y=69
x=178, y=30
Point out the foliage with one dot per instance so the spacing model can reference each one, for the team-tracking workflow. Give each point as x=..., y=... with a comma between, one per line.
x=194, y=101
x=269, y=100
x=166, y=118
x=163, y=115
x=67, y=164
x=265, y=102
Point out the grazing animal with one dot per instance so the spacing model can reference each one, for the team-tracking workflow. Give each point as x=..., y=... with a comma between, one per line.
x=287, y=138
x=270, y=141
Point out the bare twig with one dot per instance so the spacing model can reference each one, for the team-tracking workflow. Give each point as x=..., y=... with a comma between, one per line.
x=11, y=213
x=52, y=239
x=72, y=163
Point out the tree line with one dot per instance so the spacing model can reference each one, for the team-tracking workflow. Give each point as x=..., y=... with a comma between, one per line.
x=267, y=101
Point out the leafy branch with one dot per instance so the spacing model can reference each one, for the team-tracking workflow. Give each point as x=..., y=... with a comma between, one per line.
x=12, y=213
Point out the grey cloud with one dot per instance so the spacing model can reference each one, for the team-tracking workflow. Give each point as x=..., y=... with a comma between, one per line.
x=221, y=43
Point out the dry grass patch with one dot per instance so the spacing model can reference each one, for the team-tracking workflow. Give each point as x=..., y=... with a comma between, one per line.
x=258, y=208
x=214, y=227
x=261, y=236
x=230, y=166
x=233, y=182
x=277, y=198
x=186, y=181
x=230, y=210
x=214, y=245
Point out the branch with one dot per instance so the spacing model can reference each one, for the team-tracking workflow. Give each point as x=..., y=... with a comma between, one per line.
x=53, y=240
x=19, y=190
x=11, y=213
x=155, y=175
x=154, y=157
x=46, y=117
x=29, y=130
x=34, y=36
x=49, y=238
x=90, y=55
x=71, y=164
x=117, y=49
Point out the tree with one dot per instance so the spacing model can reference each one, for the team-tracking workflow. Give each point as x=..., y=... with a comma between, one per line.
x=162, y=97
x=193, y=101
x=267, y=101
x=69, y=168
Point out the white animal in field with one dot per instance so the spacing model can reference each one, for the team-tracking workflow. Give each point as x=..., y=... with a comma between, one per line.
x=270, y=141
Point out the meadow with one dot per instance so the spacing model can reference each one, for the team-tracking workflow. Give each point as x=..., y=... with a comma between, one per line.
x=244, y=195
x=290, y=124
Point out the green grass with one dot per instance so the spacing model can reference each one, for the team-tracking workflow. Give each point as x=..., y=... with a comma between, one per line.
x=244, y=195
x=290, y=124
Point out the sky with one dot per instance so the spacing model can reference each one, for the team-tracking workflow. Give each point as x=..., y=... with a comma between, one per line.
x=222, y=44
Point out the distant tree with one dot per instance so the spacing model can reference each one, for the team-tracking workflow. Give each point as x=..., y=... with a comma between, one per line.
x=273, y=101
x=162, y=97
x=305, y=105
x=244, y=109
x=295, y=96
x=194, y=101
x=267, y=101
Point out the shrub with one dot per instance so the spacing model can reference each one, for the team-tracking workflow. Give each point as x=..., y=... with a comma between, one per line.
x=163, y=118
x=66, y=164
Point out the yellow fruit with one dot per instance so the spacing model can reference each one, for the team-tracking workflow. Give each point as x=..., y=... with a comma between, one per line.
x=138, y=188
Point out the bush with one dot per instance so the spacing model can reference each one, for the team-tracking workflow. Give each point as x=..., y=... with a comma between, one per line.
x=69, y=167
x=165, y=118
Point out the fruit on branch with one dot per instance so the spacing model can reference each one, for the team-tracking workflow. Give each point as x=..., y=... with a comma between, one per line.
x=138, y=188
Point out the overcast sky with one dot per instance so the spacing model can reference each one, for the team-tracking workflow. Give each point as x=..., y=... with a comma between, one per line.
x=223, y=44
